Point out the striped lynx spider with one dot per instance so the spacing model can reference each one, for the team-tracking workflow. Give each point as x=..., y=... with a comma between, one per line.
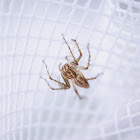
x=71, y=71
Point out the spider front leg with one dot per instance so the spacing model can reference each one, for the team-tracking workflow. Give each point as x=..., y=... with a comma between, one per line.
x=78, y=59
x=70, y=50
x=85, y=68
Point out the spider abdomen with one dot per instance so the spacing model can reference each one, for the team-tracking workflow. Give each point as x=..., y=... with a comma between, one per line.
x=81, y=81
x=69, y=71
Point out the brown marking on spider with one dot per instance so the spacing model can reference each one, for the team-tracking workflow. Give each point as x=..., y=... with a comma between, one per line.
x=70, y=71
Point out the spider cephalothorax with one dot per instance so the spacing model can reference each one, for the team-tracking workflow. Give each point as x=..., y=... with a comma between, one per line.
x=71, y=71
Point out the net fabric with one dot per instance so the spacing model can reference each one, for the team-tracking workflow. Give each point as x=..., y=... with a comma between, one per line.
x=31, y=31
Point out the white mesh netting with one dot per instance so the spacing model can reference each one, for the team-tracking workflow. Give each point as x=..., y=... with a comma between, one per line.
x=31, y=30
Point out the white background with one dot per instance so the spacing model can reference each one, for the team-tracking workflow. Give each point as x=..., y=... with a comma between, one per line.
x=31, y=31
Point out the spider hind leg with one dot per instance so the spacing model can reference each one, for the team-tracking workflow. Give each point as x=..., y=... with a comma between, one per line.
x=74, y=87
x=92, y=78
x=65, y=85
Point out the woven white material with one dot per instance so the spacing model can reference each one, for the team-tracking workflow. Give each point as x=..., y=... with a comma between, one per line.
x=31, y=31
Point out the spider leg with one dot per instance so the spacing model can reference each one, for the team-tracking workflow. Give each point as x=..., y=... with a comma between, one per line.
x=94, y=77
x=70, y=50
x=78, y=59
x=76, y=90
x=60, y=67
x=67, y=58
x=51, y=77
x=85, y=68
x=65, y=87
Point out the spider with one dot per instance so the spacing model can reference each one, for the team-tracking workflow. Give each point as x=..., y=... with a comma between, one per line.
x=71, y=71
